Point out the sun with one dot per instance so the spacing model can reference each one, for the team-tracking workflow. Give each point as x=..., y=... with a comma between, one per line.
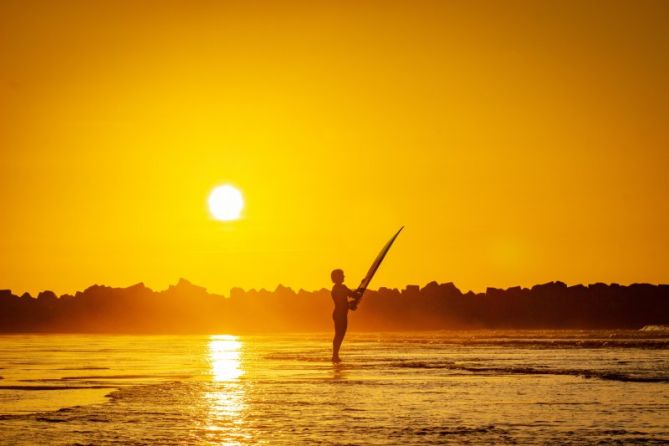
x=226, y=203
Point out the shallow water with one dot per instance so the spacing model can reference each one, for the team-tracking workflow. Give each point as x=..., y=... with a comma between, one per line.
x=474, y=387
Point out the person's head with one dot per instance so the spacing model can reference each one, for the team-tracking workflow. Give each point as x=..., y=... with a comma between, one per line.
x=337, y=276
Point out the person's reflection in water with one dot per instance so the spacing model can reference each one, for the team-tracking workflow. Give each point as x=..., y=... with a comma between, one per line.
x=338, y=372
x=340, y=294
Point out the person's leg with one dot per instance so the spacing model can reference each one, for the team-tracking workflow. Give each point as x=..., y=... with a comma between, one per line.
x=340, y=331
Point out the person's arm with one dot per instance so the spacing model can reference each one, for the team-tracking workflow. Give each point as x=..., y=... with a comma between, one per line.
x=356, y=295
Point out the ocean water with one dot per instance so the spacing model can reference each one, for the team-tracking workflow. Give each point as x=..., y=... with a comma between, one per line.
x=469, y=387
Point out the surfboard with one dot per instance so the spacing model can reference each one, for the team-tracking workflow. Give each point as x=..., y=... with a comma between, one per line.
x=360, y=291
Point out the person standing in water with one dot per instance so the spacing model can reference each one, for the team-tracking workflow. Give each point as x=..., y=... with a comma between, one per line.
x=340, y=294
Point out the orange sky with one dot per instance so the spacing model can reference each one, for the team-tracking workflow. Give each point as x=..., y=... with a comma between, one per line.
x=519, y=142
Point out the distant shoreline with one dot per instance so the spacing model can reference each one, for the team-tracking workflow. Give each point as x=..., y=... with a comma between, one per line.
x=187, y=308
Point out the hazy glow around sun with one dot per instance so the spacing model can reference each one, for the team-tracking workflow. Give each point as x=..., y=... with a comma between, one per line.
x=226, y=203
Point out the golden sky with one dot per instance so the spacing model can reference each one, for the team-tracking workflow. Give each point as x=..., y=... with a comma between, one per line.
x=519, y=142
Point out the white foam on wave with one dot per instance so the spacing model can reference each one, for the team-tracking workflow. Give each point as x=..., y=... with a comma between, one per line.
x=655, y=328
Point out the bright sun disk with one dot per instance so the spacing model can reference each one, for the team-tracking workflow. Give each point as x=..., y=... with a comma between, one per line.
x=226, y=203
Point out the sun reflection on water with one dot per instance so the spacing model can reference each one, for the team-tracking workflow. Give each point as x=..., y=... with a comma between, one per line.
x=224, y=355
x=226, y=399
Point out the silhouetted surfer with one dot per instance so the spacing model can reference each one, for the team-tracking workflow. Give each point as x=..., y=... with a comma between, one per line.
x=340, y=295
